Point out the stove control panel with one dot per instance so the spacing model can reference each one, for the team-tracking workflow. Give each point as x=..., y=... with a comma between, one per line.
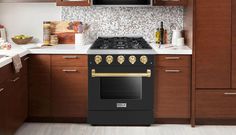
x=109, y=59
x=144, y=59
x=121, y=59
x=98, y=59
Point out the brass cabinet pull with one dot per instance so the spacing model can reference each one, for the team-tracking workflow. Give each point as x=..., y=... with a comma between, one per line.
x=25, y=59
x=172, y=58
x=147, y=74
x=16, y=79
x=2, y=89
x=70, y=57
x=228, y=93
x=172, y=71
x=70, y=70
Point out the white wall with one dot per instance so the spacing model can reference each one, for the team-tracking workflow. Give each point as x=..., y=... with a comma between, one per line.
x=27, y=18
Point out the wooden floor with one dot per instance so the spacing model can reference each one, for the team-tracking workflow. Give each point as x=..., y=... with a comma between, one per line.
x=85, y=129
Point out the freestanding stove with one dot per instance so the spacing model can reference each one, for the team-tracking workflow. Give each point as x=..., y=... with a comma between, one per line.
x=121, y=85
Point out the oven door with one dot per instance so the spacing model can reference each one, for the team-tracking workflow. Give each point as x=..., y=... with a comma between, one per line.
x=125, y=88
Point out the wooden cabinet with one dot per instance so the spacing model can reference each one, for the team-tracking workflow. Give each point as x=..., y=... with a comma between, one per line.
x=69, y=86
x=216, y=104
x=39, y=86
x=3, y=108
x=213, y=44
x=169, y=2
x=73, y=3
x=16, y=1
x=172, y=86
x=233, y=44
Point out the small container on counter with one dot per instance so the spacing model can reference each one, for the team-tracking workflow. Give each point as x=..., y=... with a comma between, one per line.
x=46, y=33
x=54, y=40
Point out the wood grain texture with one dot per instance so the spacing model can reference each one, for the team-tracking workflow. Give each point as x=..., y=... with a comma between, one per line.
x=73, y=3
x=69, y=91
x=169, y=3
x=70, y=60
x=40, y=86
x=3, y=109
x=233, y=44
x=173, y=60
x=215, y=104
x=172, y=93
x=213, y=44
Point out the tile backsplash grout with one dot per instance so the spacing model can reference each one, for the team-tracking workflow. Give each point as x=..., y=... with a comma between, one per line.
x=125, y=21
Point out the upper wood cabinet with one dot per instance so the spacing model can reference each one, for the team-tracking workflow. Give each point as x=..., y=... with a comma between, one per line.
x=16, y=1
x=233, y=44
x=213, y=44
x=73, y=2
x=169, y=2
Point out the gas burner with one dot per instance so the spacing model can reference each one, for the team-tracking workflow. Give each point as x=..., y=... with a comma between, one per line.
x=120, y=43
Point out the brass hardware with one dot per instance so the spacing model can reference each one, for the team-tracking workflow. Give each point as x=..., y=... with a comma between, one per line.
x=2, y=89
x=121, y=59
x=172, y=71
x=147, y=74
x=69, y=70
x=132, y=59
x=16, y=79
x=70, y=57
x=109, y=59
x=172, y=58
x=25, y=59
x=98, y=59
x=228, y=93
x=144, y=59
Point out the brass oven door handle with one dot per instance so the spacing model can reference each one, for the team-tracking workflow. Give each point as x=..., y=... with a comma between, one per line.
x=147, y=74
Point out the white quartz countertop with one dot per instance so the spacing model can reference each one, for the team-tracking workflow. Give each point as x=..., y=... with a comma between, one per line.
x=71, y=49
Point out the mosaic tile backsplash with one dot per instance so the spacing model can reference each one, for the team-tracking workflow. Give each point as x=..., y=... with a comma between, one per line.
x=125, y=21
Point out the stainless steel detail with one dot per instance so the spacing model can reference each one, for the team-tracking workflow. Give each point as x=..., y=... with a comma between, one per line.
x=25, y=59
x=172, y=71
x=121, y=105
x=229, y=93
x=2, y=89
x=172, y=58
x=16, y=79
x=70, y=70
x=147, y=74
x=70, y=57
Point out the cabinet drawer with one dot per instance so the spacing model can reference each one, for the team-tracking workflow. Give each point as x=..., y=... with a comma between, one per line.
x=70, y=60
x=6, y=71
x=173, y=60
x=172, y=92
x=216, y=104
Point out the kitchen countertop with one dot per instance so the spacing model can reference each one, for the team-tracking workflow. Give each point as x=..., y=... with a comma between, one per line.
x=70, y=49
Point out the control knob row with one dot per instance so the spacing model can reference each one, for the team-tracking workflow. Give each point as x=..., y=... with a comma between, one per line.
x=121, y=59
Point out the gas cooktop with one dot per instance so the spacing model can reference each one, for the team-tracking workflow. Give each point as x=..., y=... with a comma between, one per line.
x=120, y=43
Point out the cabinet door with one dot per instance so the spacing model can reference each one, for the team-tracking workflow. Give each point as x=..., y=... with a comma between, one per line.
x=39, y=86
x=16, y=1
x=69, y=91
x=3, y=109
x=172, y=92
x=169, y=2
x=233, y=44
x=73, y=3
x=213, y=44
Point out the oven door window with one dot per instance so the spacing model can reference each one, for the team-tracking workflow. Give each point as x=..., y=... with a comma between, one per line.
x=121, y=88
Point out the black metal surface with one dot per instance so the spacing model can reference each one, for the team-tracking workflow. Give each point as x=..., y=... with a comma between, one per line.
x=121, y=2
x=105, y=93
x=120, y=43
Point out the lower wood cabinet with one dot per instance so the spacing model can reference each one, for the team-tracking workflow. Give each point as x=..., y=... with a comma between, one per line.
x=216, y=104
x=40, y=86
x=69, y=91
x=3, y=109
x=172, y=87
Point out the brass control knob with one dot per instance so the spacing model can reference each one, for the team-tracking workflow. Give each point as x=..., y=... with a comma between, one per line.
x=98, y=59
x=144, y=59
x=121, y=59
x=109, y=59
x=132, y=59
